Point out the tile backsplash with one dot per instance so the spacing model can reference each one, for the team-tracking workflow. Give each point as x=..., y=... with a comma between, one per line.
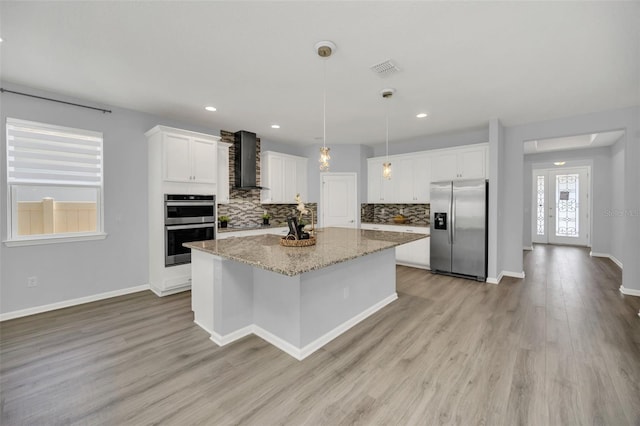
x=417, y=214
x=244, y=208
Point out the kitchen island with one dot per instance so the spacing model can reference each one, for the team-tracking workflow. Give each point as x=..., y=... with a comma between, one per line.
x=296, y=298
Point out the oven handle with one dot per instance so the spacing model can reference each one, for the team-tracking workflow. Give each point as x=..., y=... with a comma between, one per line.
x=189, y=203
x=178, y=227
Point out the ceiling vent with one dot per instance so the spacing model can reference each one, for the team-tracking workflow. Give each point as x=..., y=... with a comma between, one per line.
x=385, y=69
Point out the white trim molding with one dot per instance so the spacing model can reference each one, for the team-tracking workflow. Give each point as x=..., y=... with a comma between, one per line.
x=294, y=351
x=608, y=256
x=71, y=302
x=629, y=291
x=527, y=248
x=503, y=274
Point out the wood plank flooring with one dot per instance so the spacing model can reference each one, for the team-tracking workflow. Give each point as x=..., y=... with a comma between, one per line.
x=561, y=347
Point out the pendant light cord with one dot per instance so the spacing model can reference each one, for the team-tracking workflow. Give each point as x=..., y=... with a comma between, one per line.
x=324, y=103
x=387, y=131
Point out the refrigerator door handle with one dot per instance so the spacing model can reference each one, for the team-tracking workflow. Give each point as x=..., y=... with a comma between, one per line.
x=453, y=219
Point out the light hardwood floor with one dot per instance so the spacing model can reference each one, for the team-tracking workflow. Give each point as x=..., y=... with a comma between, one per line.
x=561, y=347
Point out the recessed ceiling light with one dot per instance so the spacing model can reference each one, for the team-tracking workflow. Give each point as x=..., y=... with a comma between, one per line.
x=560, y=163
x=422, y=115
x=210, y=108
x=275, y=126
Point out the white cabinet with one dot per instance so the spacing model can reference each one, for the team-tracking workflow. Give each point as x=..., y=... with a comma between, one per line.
x=186, y=156
x=179, y=162
x=379, y=189
x=222, y=196
x=411, y=180
x=409, y=183
x=416, y=253
x=459, y=163
x=284, y=176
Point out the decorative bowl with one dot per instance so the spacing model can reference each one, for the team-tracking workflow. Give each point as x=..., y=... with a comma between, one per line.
x=399, y=219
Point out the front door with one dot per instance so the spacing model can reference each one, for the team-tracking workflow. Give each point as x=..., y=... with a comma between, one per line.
x=561, y=206
x=338, y=202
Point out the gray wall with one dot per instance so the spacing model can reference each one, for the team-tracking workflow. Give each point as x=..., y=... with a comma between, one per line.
x=601, y=190
x=73, y=270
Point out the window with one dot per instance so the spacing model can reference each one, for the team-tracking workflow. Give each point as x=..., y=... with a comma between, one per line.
x=54, y=178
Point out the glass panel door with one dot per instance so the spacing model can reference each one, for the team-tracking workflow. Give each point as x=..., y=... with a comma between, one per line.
x=560, y=213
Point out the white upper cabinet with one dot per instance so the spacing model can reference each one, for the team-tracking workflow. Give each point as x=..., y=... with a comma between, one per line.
x=379, y=189
x=459, y=163
x=223, y=173
x=284, y=176
x=411, y=174
x=186, y=156
x=409, y=183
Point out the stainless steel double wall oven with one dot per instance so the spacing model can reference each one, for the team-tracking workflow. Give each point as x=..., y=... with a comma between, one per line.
x=187, y=218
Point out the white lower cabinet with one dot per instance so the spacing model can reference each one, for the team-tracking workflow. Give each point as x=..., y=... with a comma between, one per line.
x=414, y=254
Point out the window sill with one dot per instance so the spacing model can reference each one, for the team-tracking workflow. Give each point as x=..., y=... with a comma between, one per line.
x=34, y=241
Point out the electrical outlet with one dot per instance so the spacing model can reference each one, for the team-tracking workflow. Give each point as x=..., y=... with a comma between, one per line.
x=32, y=281
x=346, y=292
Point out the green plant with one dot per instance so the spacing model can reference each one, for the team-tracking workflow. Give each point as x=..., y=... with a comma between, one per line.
x=223, y=218
x=266, y=216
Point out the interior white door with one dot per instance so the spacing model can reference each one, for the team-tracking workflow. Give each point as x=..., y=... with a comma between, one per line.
x=561, y=206
x=338, y=200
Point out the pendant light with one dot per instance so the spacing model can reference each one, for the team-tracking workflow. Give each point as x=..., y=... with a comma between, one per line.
x=324, y=50
x=386, y=167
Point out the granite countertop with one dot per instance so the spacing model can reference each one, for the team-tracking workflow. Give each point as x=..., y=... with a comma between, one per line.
x=334, y=245
x=399, y=224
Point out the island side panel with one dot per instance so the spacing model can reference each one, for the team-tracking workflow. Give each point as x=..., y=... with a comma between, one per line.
x=233, y=299
x=336, y=298
x=276, y=309
x=202, y=289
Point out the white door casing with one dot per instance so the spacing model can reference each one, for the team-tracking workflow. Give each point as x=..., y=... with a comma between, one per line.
x=338, y=200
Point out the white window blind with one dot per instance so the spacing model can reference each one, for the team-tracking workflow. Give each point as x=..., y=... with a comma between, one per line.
x=39, y=153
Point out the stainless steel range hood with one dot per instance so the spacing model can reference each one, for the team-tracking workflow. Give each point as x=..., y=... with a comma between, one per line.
x=245, y=146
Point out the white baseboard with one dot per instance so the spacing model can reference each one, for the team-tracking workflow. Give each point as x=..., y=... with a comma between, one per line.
x=71, y=302
x=503, y=274
x=162, y=293
x=231, y=337
x=607, y=255
x=294, y=351
x=527, y=248
x=629, y=291
x=493, y=280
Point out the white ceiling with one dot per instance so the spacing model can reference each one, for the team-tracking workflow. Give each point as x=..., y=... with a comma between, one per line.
x=594, y=140
x=462, y=62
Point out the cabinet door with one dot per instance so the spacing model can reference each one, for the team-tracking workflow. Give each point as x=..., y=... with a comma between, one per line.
x=289, y=176
x=276, y=188
x=402, y=181
x=301, y=178
x=204, y=164
x=471, y=164
x=223, y=175
x=177, y=162
x=444, y=167
x=421, y=179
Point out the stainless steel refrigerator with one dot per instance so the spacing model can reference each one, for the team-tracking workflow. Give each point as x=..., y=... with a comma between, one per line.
x=459, y=228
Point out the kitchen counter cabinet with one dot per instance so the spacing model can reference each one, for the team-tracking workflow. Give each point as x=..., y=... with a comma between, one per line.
x=415, y=254
x=296, y=298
